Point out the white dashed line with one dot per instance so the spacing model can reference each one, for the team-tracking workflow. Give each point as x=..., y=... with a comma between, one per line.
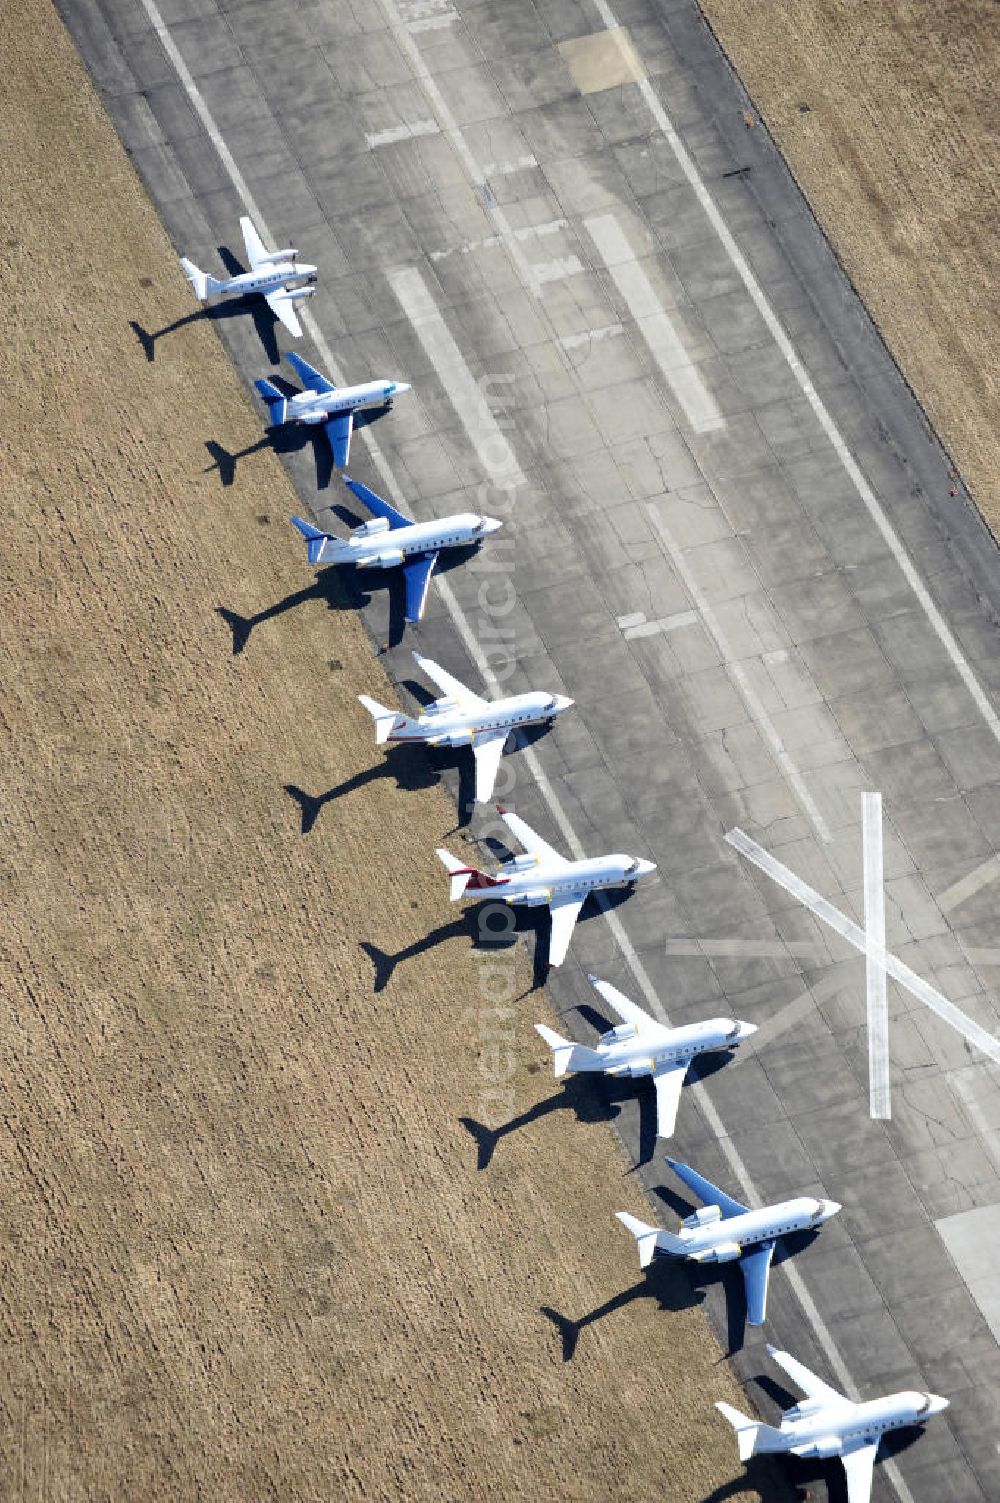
x=403, y=133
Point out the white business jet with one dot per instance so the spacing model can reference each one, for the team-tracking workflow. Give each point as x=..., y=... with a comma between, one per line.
x=542, y=877
x=639, y=1045
x=826, y=1423
x=724, y=1231
x=461, y=718
x=322, y=402
x=271, y=275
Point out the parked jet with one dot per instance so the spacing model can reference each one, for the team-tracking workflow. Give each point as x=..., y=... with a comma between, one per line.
x=825, y=1423
x=541, y=876
x=389, y=539
x=322, y=402
x=639, y=1045
x=723, y=1230
x=462, y=718
x=271, y=274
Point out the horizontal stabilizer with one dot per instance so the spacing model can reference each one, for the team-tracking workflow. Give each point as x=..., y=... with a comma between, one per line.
x=199, y=279
x=751, y=1436
x=277, y=403
x=386, y=720
x=566, y=1055
x=314, y=537
x=644, y=1235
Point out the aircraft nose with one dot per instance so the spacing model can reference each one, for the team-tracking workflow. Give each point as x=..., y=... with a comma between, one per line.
x=402, y=386
x=746, y=1029
x=830, y=1208
x=490, y=524
x=937, y=1404
x=563, y=702
x=304, y=270
x=644, y=868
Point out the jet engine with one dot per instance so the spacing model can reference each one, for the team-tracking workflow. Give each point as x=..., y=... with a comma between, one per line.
x=803, y=1409
x=703, y=1216
x=619, y=1035
x=387, y=559
x=371, y=527
x=313, y=419
x=522, y=863
x=443, y=706
x=825, y=1446
x=725, y=1252
x=452, y=738
x=298, y=294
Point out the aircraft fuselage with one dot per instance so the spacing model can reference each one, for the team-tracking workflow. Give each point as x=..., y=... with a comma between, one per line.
x=318, y=406
x=436, y=726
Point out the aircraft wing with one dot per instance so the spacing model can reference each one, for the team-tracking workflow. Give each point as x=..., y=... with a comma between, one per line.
x=859, y=1466
x=487, y=750
x=283, y=308
x=621, y=1006
x=417, y=573
x=338, y=430
x=253, y=243
x=446, y=683
x=812, y=1387
x=706, y=1191
x=756, y=1266
x=310, y=377
x=532, y=842
x=565, y=910
x=668, y=1080
x=377, y=506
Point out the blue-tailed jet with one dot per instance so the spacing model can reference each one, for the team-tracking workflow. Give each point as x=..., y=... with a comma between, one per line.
x=826, y=1423
x=639, y=1045
x=461, y=718
x=723, y=1230
x=542, y=877
x=272, y=275
x=322, y=402
x=388, y=540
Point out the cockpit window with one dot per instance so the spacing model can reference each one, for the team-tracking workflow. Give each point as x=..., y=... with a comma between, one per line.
x=633, y=865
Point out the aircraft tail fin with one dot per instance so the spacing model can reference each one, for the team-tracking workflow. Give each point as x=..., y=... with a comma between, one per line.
x=386, y=721
x=315, y=539
x=565, y=1054
x=463, y=877
x=277, y=404
x=645, y=1236
x=752, y=1437
x=203, y=284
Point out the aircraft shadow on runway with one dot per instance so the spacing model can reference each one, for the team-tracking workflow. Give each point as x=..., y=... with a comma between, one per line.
x=340, y=590
x=660, y=1284
x=592, y=1098
x=473, y=924
x=288, y=438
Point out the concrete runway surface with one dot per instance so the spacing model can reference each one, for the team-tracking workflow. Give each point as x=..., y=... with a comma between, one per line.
x=728, y=535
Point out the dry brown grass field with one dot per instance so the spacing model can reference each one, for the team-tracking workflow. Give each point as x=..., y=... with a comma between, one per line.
x=887, y=113
x=245, y=1251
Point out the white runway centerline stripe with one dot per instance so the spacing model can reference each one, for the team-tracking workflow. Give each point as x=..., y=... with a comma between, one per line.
x=588, y=337
x=739, y=676
x=403, y=133
x=875, y=982
x=529, y=232
x=654, y=324
x=855, y=935
x=464, y=392
x=507, y=169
